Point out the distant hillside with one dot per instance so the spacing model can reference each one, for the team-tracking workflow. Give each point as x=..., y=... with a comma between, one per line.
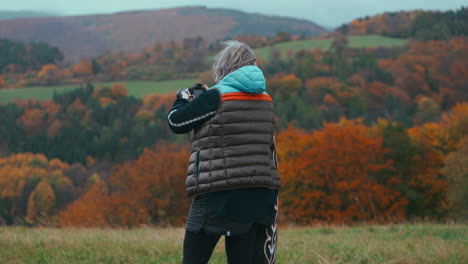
x=418, y=24
x=4, y=15
x=380, y=24
x=90, y=35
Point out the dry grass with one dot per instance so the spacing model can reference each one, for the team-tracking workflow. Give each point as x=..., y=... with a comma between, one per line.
x=420, y=243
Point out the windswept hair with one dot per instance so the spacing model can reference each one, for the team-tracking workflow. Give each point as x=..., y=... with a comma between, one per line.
x=234, y=56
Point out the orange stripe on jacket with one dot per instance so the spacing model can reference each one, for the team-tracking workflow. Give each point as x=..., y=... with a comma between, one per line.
x=245, y=96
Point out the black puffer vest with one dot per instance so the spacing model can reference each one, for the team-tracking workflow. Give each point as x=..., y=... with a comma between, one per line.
x=236, y=147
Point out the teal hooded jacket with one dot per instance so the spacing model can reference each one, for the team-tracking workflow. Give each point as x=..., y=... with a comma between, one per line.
x=248, y=79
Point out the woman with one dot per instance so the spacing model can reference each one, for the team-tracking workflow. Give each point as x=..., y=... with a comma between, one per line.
x=232, y=173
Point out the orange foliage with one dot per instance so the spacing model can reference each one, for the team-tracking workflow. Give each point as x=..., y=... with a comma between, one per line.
x=84, y=68
x=148, y=190
x=445, y=136
x=426, y=179
x=328, y=176
x=104, y=101
x=153, y=102
x=317, y=88
x=36, y=120
x=387, y=22
x=436, y=69
x=118, y=91
x=49, y=74
x=55, y=127
x=67, y=73
x=284, y=85
x=91, y=209
x=329, y=99
x=2, y=82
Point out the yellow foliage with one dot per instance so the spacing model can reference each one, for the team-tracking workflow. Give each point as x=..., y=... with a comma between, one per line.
x=41, y=202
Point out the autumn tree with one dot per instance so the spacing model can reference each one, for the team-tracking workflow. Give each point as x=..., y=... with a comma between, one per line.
x=427, y=110
x=149, y=190
x=2, y=82
x=41, y=203
x=284, y=85
x=31, y=187
x=48, y=75
x=118, y=91
x=416, y=171
x=317, y=88
x=328, y=176
x=445, y=136
x=84, y=68
x=433, y=69
x=456, y=171
x=36, y=120
x=91, y=209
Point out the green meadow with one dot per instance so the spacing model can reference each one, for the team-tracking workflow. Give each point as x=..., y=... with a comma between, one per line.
x=135, y=88
x=403, y=243
x=324, y=44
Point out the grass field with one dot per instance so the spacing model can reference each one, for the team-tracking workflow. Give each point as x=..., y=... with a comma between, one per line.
x=420, y=243
x=324, y=44
x=135, y=88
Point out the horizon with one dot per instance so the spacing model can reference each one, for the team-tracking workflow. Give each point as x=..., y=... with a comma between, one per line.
x=325, y=15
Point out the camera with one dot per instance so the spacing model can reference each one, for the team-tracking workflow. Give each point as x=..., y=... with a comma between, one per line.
x=196, y=89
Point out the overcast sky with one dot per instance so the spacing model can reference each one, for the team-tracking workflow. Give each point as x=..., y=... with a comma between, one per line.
x=324, y=12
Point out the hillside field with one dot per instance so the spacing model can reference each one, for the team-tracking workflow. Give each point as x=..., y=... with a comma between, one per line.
x=135, y=88
x=324, y=44
x=141, y=88
x=404, y=243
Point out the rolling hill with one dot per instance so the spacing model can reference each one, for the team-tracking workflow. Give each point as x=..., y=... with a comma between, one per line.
x=86, y=36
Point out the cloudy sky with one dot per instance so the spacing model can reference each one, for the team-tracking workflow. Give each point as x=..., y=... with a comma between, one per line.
x=325, y=12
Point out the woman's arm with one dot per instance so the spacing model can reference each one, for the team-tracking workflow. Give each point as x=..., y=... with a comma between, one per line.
x=185, y=115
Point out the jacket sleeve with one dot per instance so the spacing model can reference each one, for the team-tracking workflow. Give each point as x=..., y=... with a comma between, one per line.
x=184, y=115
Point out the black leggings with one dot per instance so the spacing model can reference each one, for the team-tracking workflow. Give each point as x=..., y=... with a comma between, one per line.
x=258, y=246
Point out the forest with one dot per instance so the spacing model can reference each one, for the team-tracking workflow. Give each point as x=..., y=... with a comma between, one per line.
x=421, y=25
x=364, y=134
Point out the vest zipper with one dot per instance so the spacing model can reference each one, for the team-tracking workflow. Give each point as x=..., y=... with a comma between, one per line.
x=197, y=164
x=273, y=152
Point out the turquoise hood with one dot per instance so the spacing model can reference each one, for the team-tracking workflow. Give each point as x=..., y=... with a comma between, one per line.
x=248, y=79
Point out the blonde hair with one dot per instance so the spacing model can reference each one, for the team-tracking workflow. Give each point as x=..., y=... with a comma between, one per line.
x=234, y=56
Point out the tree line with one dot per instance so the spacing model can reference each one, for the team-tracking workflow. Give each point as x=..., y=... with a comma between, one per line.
x=420, y=25
x=343, y=173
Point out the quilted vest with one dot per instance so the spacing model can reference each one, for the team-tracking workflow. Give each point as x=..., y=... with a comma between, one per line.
x=236, y=147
